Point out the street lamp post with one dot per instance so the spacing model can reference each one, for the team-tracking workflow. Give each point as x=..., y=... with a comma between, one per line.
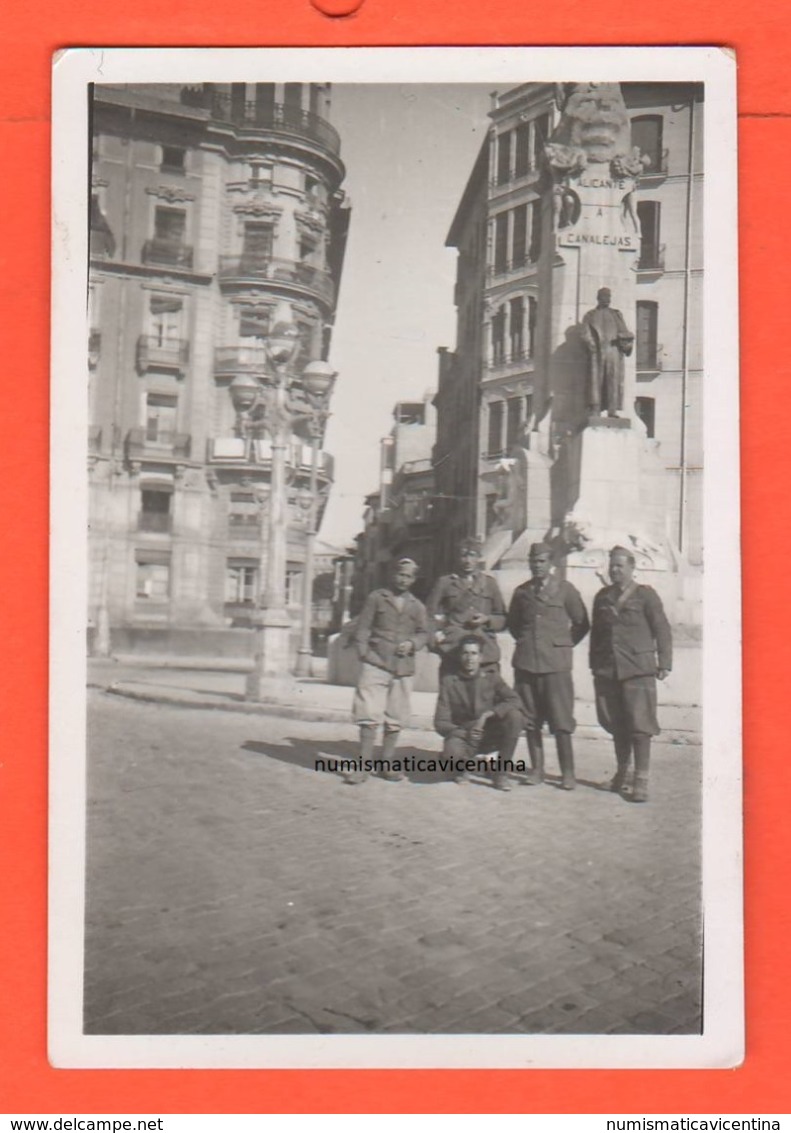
x=318, y=379
x=274, y=400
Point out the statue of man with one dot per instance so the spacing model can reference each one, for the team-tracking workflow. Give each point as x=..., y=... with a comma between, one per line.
x=608, y=340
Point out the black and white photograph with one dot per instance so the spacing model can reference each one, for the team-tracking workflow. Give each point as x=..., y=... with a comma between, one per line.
x=399, y=724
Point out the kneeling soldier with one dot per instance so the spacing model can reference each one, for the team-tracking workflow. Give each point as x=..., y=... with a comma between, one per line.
x=478, y=713
x=391, y=629
x=547, y=617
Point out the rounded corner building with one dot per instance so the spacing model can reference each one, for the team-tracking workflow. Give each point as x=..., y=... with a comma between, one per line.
x=212, y=208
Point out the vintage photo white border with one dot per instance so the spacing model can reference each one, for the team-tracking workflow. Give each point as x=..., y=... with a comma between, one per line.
x=722, y=1042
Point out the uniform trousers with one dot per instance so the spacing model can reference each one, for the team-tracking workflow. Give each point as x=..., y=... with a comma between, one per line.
x=500, y=734
x=546, y=698
x=381, y=696
x=628, y=707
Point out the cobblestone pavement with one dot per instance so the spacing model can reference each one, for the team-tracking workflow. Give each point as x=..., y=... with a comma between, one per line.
x=233, y=889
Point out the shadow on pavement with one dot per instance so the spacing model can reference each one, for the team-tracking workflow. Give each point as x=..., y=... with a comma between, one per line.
x=300, y=752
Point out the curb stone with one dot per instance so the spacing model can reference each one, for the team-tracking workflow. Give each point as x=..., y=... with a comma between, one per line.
x=187, y=699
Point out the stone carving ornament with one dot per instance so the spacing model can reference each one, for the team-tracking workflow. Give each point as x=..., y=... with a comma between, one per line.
x=594, y=130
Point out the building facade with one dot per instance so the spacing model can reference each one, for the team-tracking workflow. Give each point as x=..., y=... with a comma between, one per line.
x=498, y=280
x=212, y=208
x=399, y=518
x=459, y=376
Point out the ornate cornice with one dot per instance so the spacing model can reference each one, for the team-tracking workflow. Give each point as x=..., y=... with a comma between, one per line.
x=314, y=222
x=170, y=193
x=260, y=207
x=253, y=297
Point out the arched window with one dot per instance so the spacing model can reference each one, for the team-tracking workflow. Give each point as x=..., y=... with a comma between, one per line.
x=501, y=243
x=535, y=232
x=498, y=336
x=516, y=328
x=532, y=315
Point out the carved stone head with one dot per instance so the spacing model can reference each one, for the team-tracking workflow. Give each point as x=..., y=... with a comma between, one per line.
x=594, y=120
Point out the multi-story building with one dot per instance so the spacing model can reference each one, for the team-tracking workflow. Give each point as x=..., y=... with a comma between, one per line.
x=505, y=191
x=213, y=208
x=459, y=376
x=399, y=517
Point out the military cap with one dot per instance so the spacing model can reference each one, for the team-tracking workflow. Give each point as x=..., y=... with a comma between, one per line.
x=537, y=549
x=619, y=550
x=471, y=543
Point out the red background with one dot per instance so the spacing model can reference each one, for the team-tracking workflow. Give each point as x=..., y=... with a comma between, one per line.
x=759, y=33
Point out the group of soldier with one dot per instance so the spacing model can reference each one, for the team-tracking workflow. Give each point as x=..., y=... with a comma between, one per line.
x=478, y=714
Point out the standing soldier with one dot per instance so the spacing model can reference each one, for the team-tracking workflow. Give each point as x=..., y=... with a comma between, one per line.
x=547, y=618
x=390, y=630
x=630, y=647
x=464, y=604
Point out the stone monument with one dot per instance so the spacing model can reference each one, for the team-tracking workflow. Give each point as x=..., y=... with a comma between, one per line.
x=589, y=475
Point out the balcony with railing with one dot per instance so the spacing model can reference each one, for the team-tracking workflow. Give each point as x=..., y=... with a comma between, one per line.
x=244, y=526
x=231, y=360
x=162, y=446
x=155, y=522
x=252, y=268
x=235, y=452
x=510, y=361
x=518, y=265
x=269, y=117
x=649, y=358
x=651, y=260
x=167, y=253
x=657, y=170
x=154, y=353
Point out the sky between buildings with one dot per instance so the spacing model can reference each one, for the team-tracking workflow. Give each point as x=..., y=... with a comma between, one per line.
x=408, y=150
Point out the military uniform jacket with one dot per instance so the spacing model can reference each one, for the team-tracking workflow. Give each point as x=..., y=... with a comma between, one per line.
x=546, y=625
x=381, y=627
x=463, y=699
x=631, y=636
x=452, y=601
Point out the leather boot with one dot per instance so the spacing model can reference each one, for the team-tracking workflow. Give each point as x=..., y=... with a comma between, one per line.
x=389, y=744
x=642, y=758
x=367, y=741
x=536, y=751
x=566, y=761
x=623, y=754
x=500, y=780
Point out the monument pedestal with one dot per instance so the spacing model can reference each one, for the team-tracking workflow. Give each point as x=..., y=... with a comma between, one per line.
x=591, y=482
x=529, y=511
x=619, y=499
